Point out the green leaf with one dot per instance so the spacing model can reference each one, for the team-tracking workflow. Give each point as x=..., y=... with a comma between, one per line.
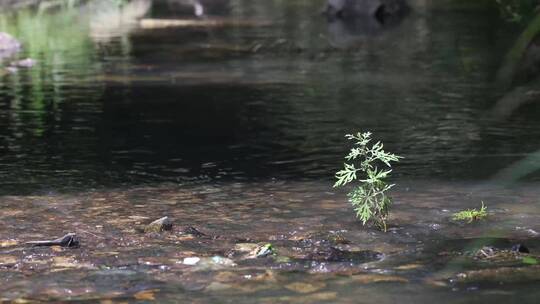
x=529, y=260
x=368, y=198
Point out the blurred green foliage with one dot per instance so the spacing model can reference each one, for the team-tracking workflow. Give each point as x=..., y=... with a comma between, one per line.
x=57, y=39
x=518, y=11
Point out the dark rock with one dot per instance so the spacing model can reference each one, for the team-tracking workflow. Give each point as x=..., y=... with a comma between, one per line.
x=501, y=275
x=520, y=248
x=350, y=22
x=193, y=231
x=199, y=8
x=378, y=9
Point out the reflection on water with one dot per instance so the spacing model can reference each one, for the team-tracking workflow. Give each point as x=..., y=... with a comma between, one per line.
x=233, y=122
x=109, y=21
x=111, y=104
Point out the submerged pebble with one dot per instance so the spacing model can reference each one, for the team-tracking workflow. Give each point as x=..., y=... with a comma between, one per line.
x=8, y=260
x=252, y=250
x=209, y=263
x=499, y=275
x=302, y=287
x=191, y=261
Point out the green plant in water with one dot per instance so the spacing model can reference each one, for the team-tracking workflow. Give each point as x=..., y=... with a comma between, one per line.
x=529, y=260
x=369, y=198
x=470, y=215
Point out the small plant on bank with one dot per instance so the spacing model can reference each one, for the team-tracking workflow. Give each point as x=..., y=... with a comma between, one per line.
x=471, y=215
x=369, y=197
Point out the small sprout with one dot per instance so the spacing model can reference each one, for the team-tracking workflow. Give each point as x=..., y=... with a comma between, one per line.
x=471, y=215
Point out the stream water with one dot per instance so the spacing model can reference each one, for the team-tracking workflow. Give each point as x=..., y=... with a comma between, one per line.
x=233, y=124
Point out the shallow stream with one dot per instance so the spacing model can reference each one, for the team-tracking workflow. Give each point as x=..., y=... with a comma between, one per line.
x=232, y=125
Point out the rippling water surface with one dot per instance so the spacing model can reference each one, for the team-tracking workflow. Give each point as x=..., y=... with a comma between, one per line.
x=233, y=124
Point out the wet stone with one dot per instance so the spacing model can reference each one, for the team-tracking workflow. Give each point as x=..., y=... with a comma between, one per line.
x=70, y=262
x=338, y=239
x=252, y=250
x=263, y=250
x=191, y=261
x=193, y=231
x=8, y=261
x=159, y=225
x=377, y=278
x=8, y=243
x=520, y=248
x=322, y=238
x=302, y=287
x=505, y=275
x=244, y=247
x=317, y=297
x=494, y=255
x=209, y=263
x=145, y=295
x=217, y=286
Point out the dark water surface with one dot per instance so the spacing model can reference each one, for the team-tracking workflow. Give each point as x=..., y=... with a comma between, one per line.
x=234, y=124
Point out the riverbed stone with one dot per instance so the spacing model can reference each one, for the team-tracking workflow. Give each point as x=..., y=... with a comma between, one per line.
x=378, y=278
x=159, y=225
x=8, y=260
x=303, y=287
x=245, y=247
x=190, y=230
x=499, y=275
x=253, y=250
x=8, y=243
x=218, y=286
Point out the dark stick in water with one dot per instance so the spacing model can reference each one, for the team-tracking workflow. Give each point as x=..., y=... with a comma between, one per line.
x=68, y=240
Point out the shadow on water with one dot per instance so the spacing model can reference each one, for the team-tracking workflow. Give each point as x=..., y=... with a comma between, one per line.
x=232, y=123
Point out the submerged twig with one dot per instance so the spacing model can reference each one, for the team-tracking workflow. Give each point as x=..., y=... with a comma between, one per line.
x=68, y=240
